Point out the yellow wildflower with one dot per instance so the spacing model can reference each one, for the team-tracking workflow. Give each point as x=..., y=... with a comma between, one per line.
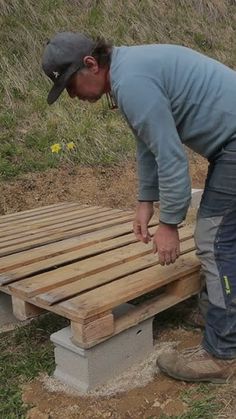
x=70, y=146
x=55, y=148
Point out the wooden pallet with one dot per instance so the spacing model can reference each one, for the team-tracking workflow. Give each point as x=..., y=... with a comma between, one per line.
x=82, y=262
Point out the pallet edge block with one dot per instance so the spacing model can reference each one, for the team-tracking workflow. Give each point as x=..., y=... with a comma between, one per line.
x=86, y=369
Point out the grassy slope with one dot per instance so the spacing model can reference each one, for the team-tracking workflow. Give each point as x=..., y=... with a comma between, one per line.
x=29, y=126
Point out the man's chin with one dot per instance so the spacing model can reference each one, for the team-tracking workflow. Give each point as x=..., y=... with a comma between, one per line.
x=93, y=100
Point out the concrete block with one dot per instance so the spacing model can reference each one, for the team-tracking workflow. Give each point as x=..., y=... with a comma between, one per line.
x=86, y=369
x=196, y=198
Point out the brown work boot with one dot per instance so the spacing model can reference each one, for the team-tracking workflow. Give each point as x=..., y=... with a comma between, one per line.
x=196, y=364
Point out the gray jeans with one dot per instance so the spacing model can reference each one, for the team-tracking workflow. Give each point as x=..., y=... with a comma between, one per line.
x=215, y=238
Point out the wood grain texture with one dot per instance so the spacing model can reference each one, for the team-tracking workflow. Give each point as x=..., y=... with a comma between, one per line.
x=60, y=226
x=69, y=290
x=37, y=212
x=93, y=331
x=44, y=282
x=42, y=238
x=82, y=262
x=63, y=246
x=125, y=289
x=16, y=228
x=24, y=310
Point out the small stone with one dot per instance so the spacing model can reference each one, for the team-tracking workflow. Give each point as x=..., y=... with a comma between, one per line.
x=173, y=407
x=35, y=413
x=156, y=404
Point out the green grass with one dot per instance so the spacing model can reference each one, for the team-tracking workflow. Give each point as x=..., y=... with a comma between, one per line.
x=201, y=401
x=20, y=361
x=29, y=126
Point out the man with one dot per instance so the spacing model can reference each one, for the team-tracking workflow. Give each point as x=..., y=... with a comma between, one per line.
x=170, y=96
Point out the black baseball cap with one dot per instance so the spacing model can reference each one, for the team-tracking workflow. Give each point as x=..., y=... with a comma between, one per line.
x=62, y=57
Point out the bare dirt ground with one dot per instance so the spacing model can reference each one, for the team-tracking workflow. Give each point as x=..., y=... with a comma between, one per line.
x=112, y=187
x=160, y=396
x=105, y=186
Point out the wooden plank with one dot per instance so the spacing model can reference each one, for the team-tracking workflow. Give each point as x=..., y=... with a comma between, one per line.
x=44, y=282
x=20, y=218
x=12, y=237
x=184, y=287
x=125, y=289
x=93, y=331
x=38, y=231
x=64, y=233
x=66, y=258
x=151, y=307
x=60, y=293
x=15, y=228
x=35, y=212
x=53, y=249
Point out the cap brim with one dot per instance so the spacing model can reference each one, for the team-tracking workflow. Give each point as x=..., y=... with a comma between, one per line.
x=60, y=85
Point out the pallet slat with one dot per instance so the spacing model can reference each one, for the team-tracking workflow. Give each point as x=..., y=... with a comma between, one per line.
x=66, y=225
x=82, y=262
x=66, y=258
x=76, y=214
x=70, y=290
x=125, y=289
x=44, y=282
x=38, y=211
x=53, y=249
x=143, y=311
x=65, y=233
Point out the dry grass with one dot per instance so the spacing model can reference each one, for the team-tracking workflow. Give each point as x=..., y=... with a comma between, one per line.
x=29, y=126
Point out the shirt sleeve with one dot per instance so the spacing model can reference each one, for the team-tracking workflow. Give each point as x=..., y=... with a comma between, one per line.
x=145, y=104
x=147, y=173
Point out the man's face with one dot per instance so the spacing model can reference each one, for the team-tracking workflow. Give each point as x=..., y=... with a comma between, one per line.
x=89, y=83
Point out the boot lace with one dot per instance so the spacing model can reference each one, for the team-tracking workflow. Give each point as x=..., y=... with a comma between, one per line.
x=196, y=351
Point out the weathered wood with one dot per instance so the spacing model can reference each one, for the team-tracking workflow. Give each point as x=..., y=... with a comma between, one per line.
x=44, y=282
x=144, y=311
x=35, y=212
x=82, y=262
x=17, y=230
x=69, y=290
x=64, y=233
x=23, y=310
x=93, y=331
x=125, y=289
x=185, y=287
x=24, y=220
x=66, y=258
x=63, y=246
x=157, y=304
x=60, y=226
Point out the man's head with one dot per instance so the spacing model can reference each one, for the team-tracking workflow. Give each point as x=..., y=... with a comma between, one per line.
x=78, y=64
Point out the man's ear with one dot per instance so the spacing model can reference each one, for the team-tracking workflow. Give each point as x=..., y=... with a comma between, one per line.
x=91, y=64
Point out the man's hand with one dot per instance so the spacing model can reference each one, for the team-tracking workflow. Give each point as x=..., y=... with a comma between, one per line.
x=144, y=213
x=166, y=243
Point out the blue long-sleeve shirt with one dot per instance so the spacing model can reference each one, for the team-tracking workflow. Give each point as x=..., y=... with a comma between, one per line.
x=170, y=96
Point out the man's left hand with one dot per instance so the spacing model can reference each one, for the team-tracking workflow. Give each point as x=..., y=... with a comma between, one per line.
x=166, y=243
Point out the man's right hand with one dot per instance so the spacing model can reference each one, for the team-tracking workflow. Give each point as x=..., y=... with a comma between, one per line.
x=144, y=213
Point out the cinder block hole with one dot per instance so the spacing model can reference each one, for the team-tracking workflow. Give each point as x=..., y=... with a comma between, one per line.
x=138, y=332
